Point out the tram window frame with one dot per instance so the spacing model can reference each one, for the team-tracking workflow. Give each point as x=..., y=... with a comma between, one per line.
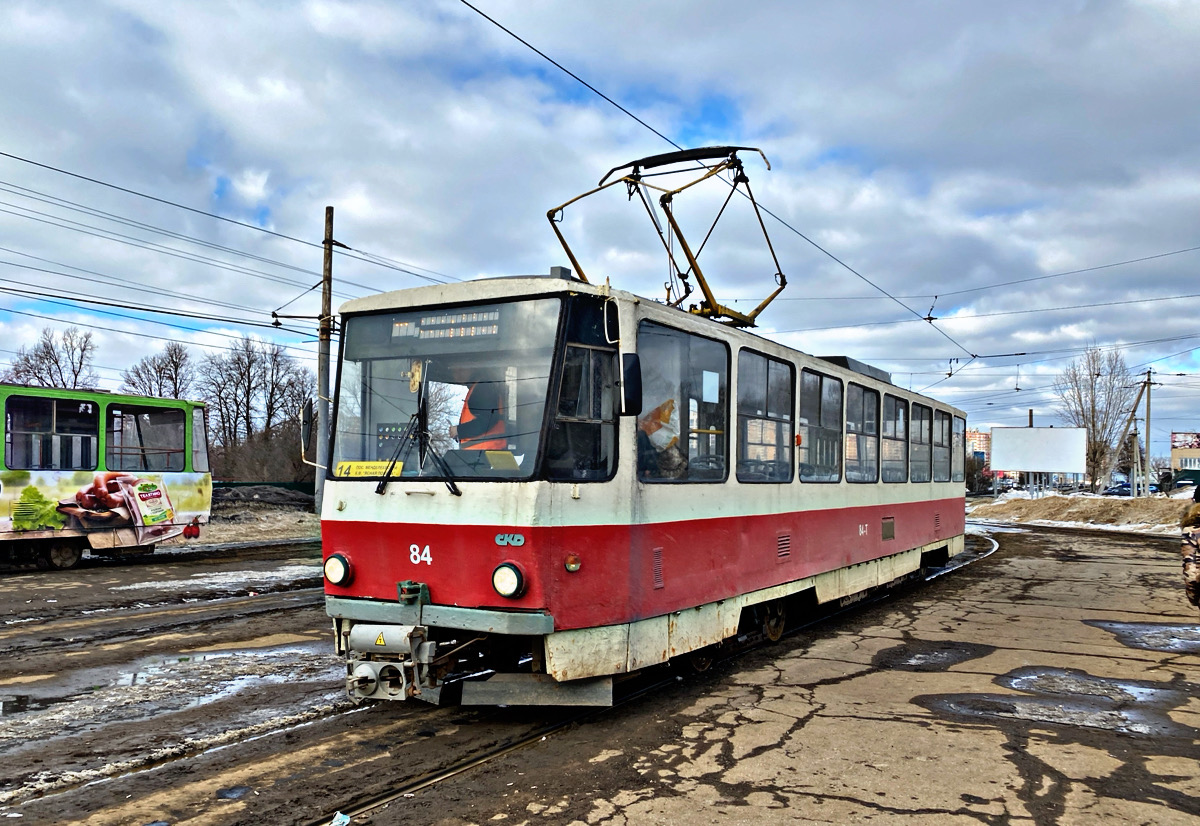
x=581, y=443
x=78, y=431
x=766, y=396
x=862, y=434
x=941, y=446
x=159, y=434
x=375, y=394
x=200, y=463
x=693, y=411
x=920, y=444
x=958, y=451
x=819, y=403
x=893, y=459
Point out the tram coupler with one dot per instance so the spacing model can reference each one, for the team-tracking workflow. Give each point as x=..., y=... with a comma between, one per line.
x=377, y=668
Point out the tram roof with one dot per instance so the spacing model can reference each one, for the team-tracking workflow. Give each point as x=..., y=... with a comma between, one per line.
x=481, y=289
x=560, y=280
x=96, y=393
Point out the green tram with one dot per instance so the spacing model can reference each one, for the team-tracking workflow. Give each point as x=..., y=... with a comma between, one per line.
x=89, y=470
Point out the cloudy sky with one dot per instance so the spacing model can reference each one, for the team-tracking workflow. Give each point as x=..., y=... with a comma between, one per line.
x=1028, y=173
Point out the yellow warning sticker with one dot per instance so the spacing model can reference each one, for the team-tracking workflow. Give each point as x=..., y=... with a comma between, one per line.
x=379, y=639
x=366, y=468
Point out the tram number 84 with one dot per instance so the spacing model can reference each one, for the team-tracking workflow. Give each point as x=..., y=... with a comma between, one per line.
x=417, y=555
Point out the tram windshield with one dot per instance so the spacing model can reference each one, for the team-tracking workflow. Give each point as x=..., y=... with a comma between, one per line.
x=481, y=372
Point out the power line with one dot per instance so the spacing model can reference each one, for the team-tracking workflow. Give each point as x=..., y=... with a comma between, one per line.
x=147, y=335
x=975, y=316
x=810, y=241
x=128, y=191
x=54, y=200
x=382, y=262
x=67, y=301
x=149, y=246
x=1072, y=272
x=106, y=280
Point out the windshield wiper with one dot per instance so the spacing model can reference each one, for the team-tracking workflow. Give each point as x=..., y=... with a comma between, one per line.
x=418, y=431
x=400, y=453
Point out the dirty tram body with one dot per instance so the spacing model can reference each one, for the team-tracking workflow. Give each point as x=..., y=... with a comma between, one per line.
x=106, y=473
x=631, y=482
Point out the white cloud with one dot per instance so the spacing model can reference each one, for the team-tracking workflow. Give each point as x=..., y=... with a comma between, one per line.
x=933, y=147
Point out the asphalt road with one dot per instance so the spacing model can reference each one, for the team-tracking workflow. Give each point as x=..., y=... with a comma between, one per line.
x=1052, y=682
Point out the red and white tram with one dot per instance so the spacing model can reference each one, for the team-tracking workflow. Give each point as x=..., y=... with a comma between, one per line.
x=647, y=483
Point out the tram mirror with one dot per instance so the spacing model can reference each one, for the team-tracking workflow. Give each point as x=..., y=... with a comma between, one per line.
x=631, y=384
x=306, y=427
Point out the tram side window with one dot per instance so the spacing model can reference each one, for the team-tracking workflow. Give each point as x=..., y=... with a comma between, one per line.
x=921, y=444
x=895, y=439
x=765, y=396
x=958, y=451
x=144, y=439
x=862, y=434
x=583, y=440
x=199, y=441
x=941, y=446
x=819, y=429
x=51, y=434
x=682, y=433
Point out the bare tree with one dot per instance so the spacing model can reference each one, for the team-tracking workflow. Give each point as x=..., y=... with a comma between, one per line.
x=65, y=362
x=254, y=394
x=1096, y=392
x=169, y=374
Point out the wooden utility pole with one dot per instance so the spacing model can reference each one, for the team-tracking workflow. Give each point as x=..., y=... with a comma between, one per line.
x=324, y=334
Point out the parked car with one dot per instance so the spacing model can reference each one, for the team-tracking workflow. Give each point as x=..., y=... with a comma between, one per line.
x=1123, y=489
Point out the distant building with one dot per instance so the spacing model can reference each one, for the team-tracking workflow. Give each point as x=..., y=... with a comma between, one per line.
x=980, y=441
x=1185, y=451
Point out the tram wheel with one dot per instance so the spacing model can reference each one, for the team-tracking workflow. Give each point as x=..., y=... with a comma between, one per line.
x=702, y=659
x=774, y=620
x=60, y=556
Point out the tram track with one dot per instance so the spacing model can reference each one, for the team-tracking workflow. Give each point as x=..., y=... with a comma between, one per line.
x=66, y=634
x=310, y=739
x=359, y=807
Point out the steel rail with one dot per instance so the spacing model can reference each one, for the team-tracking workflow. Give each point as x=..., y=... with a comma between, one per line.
x=358, y=807
x=162, y=618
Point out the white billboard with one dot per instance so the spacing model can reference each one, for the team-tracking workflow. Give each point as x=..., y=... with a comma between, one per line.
x=1040, y=449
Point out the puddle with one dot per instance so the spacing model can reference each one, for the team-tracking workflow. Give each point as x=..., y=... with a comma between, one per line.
x=924, y=655
x=1073, y=683
x=233, y=792
x=14, y=704
x=1175, y=639
x=1036, y=710
x=93, y=698
x=239, y=581
x=1066, y=697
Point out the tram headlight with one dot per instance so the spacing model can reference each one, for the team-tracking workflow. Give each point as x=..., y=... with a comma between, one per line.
x=508, y=580
x=337, y=570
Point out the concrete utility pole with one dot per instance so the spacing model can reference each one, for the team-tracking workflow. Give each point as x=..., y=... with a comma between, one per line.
x=1148, y=463
x=324, y=334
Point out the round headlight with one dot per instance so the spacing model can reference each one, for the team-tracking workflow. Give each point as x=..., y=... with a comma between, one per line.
x=337, y=570
x=508, y=580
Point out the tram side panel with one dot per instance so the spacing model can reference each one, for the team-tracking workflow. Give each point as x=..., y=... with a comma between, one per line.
x=83, y=469
x=683, y=563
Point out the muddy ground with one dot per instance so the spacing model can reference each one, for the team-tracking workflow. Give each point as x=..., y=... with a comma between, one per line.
x=1054, y=681
x=255, y=513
